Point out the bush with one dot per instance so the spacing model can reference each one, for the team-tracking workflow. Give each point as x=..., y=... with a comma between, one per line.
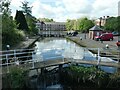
x=10, y=34
x=85, y=76
x=114, y=80
x=16, y=78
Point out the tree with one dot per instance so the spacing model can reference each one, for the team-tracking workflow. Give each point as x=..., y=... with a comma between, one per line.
x=21, y=21
x=84, y=24
x=31, y=21
x=70, y=24
x=25, y=8
x=81, y=24
x=111, y=24
x=4, y=7
x=10, y=34
x=118, y=24
x=46, y=20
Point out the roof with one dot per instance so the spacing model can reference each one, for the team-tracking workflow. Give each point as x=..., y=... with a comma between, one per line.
x=96, y=28
x=58, y=23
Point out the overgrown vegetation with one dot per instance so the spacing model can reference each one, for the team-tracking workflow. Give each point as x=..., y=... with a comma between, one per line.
x=89, y=77
x=73, y=77
x=16, y=78
x=15, y=31
x=10, y=34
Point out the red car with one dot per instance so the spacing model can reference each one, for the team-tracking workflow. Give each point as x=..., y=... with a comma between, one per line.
x=104, y=37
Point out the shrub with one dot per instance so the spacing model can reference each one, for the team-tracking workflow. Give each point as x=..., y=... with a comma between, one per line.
x=16, y=78
x=85, y=76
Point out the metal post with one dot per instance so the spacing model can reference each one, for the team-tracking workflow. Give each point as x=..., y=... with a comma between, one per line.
x=63, y=58
x=98, y=56
x=14, y=55
x=33, y=60
x=7, y=63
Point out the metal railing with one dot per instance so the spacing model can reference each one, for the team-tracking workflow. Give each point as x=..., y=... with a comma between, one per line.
x=21, y=56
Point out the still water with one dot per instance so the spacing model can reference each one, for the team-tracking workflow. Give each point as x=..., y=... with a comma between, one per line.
x=68, y=49
x=47, y=47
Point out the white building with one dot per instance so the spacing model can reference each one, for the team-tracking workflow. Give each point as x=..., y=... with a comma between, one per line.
x=101, y=21
x=50, y=27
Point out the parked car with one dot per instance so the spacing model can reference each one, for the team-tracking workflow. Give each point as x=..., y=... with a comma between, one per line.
x=72, y=33
x=104, y=37
x=115, y=33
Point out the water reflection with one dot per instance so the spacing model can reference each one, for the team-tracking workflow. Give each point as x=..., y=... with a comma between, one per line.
x=71, y=50
x=50, y=81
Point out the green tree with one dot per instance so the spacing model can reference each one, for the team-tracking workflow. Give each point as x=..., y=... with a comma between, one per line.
x=10, y=34
x=118, y=24
x=111, y=24
x=84, y=24
x=25, y=8
x=31, y=21
x=21, y=21
x=70, y=24
x=81, y=24
x=46, y=20
x=4, y=7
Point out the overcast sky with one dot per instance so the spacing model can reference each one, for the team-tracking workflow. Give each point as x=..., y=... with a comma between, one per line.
x=60, y=10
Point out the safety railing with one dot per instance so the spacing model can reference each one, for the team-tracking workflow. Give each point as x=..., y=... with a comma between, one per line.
x=21, y=56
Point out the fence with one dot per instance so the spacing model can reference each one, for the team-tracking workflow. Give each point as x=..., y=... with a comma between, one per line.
x=22, y=56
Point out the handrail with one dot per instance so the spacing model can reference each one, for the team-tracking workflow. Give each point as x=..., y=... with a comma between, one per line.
x=23, y=56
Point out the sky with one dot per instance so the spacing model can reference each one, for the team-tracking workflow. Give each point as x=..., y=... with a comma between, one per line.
x=61, y=10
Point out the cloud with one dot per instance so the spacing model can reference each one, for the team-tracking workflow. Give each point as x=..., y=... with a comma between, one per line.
x=78, y=6
x=47, y=10
x=60, y=10
x=15, y=5
x=106, y=7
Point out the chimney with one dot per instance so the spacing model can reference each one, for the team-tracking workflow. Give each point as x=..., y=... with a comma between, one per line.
x=108, y=16
x=104, y=17
x=100, y=21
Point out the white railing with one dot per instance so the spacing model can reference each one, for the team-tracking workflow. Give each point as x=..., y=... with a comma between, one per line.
x=10, y=57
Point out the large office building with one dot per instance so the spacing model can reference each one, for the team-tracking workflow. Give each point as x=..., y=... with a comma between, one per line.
x=51, y=28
